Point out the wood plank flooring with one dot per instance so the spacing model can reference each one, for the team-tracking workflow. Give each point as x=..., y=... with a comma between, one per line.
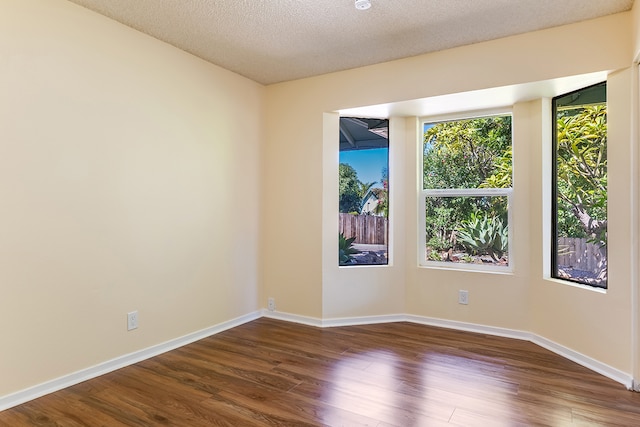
x=274, y=373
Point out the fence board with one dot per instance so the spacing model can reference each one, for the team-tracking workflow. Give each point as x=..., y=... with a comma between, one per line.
x=579, y=254
x=367, y=229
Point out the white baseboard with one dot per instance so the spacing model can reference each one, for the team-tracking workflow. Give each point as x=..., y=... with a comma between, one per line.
x=65, y=381
x=295, y=318
x=366, y=320
x=330, y=323
x=470, y=327
x=586, y=361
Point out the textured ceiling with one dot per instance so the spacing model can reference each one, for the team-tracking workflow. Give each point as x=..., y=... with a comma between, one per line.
x=271, y=41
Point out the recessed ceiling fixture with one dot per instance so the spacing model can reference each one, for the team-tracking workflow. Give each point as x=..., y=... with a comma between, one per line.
x=363, y=4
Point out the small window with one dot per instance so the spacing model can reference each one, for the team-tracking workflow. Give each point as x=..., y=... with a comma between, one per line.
x=579, y=201
x=466, y=191
x=363, y=192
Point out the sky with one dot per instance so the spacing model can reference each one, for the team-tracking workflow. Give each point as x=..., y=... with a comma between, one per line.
x=367, y=163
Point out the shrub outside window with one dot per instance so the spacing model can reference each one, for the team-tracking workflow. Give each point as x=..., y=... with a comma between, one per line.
x=579, y=202
x=466, y=192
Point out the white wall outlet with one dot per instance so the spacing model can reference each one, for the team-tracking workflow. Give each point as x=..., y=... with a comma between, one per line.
x=271, y=304
x=132, y=320
x=463, y=297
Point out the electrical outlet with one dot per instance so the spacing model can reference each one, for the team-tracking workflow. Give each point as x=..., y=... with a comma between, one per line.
x=463, y=297
x=271, y=304
x=132, y=320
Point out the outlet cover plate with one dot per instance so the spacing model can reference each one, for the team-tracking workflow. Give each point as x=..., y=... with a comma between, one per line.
x=132, y=320
x=463, y=297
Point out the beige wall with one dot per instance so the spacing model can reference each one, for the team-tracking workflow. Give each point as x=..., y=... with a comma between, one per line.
x=129, y=179
x=635, y=111
x=495, y=299
x=301, y=174
x=364, y=291
x=636, y=30
x=589, y=321
x=137, y=177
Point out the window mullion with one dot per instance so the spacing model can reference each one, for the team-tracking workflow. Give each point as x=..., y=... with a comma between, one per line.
x=458, y=192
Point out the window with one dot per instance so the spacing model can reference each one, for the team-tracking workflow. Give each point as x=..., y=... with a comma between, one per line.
x=466, y=191
x=364, y=192
x=579, y=201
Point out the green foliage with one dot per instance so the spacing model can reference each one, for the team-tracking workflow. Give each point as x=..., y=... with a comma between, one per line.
x=581, y=165
x=382, y=208
x=568, y=224
x=345, y=249
x=442, y=214
x=352, y=191
x=484, y=235
x=465, y=153
x=437, y=243
x=383, y=196
x=349, y=189
x=466, y=258
x=363, y=188
x=502, y=173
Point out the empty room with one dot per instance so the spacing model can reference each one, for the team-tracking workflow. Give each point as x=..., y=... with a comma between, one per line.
x=341, y=213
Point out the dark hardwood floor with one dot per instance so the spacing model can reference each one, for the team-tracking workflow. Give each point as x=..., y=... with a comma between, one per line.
x=274, y=373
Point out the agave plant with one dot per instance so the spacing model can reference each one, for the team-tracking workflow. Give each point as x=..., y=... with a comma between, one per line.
x=484, y=235
x=346, y=249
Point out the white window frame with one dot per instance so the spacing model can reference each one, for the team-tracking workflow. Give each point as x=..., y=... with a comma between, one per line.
x=462, y=192
x=552, y=266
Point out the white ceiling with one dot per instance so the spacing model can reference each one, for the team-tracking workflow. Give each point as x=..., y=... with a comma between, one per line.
x=272, y=41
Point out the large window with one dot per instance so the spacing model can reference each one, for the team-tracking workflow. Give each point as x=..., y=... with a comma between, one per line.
x=466, y=191
x=579, y=203
x=363, y=231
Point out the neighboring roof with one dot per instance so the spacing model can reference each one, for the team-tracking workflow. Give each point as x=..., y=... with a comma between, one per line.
x=372, y=193
x=365, y=201
x=361, y=134
x=272, y=41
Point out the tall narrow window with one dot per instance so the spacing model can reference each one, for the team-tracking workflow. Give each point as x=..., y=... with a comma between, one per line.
x=579, y=204
x=467, y=174
x=364, y=192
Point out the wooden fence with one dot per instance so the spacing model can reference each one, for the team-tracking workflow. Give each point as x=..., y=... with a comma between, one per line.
x=578, y=254
x=367, y=229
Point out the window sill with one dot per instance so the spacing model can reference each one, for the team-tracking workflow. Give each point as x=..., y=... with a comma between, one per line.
x=575, y=285
x=467, y=268
x=358, y=266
